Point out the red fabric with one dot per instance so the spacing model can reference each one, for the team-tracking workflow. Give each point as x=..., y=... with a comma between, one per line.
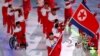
x=68, y=14
x=89, y=22
x=44, y=21
x=23, y=40
x=23, y=26
x=49, y=28
x=80, y=31
x=26, y=8
x=94, y=40
x=10, y=24
x=8, y=0
x=98, y=35
x=39, y=14
x=18, y=37
x=51, y=3
x=61, y=27
x=4, y=14
x=57, y=49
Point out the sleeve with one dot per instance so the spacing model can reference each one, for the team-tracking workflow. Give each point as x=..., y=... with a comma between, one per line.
x=10, y=12
x=53, y=30
x=48, y=43
x=74, y=53
x=5, y=4
x=50, y=17
x=40, y=2
x=57, y=34
x=17, y=30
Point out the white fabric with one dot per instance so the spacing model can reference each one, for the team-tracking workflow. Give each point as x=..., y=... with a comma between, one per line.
x=6, y=4
x=9, y=12
x=17, y=29
x=68, y=6
x=55, y=32
x=50, y=43
x=44, y=11
x=52, y=17
x=79, y=52
x=40, y=2
x=20, y=19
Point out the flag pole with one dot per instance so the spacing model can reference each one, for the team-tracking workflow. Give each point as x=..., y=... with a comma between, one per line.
x=55, y=44
x=61, y=34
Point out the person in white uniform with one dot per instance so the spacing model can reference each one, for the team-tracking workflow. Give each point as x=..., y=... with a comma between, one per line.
x=78, y=51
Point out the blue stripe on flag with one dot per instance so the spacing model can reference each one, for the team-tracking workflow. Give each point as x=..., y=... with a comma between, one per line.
x=82, y=28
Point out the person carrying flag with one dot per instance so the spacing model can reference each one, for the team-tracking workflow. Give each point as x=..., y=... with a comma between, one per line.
x=54, y=39
x=51, y=43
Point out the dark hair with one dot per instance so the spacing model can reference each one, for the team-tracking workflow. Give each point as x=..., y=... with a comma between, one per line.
x=10, y=5
x=56, y=20
x=76, y=44
x=20, y=12
x=17, y=23
x=50, y=33
x=56, y=26
x=65, y=0
x=45, y=3
x=54, y=9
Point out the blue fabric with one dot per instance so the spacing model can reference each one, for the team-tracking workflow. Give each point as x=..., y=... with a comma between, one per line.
x=84, y=3
x=81, y=28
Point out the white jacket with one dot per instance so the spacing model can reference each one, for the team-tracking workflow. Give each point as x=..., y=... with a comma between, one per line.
x=44, y=11
x=55, y=32
x=49, y=43
x=40, y=2
x=52, y=17
x=79, y=52
x=20, y=19
x=16, y=30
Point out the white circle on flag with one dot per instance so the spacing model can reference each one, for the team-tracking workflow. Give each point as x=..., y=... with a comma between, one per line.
x=82, y=15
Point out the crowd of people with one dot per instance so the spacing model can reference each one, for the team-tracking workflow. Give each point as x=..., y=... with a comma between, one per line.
x=53, y=28
x=16, y=26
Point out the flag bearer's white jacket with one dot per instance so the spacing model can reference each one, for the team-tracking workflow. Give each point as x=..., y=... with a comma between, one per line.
x=55, y=32
x=51, y=43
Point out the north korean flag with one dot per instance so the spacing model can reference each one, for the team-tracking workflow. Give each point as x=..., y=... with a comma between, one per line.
x=85, y=20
